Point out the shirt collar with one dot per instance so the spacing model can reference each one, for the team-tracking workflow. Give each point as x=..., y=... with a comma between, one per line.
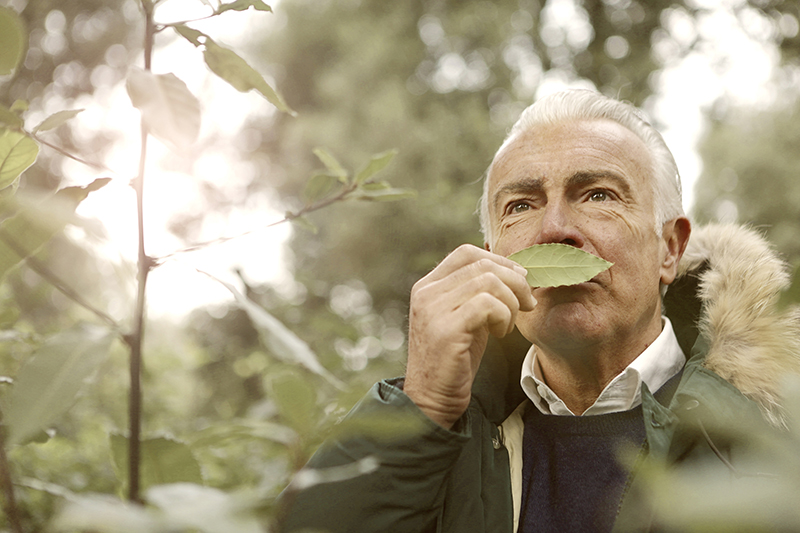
x=654, y=366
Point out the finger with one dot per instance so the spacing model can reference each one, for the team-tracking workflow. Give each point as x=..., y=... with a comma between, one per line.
x=511, y=278
x=468, y=254
x=486, y=311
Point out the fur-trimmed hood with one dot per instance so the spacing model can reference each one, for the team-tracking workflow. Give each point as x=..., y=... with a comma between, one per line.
x=737, y=278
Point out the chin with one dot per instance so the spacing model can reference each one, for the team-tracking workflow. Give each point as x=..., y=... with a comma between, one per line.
x=556, y=322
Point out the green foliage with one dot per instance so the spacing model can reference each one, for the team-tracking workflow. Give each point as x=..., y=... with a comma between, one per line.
x=296, y=399
x=17, y=153
x=261, y=381
x=11, y=119
x=554, y=265
x=229, y=66
x=749, y=175
x=48, y=382
x=169, y=110
x=23, y=234
x=163, y=460
x=280, y=340
x=244, y=5
x=759, y=494
x=56, y=119
x=175, y=507
x=12, y=40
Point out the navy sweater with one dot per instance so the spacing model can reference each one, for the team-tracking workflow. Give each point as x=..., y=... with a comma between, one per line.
x=572, y=479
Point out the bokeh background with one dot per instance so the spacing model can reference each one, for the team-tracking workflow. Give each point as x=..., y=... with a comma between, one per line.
x=440, y=81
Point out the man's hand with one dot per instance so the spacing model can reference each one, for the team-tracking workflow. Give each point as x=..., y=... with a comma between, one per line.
x=471, y=294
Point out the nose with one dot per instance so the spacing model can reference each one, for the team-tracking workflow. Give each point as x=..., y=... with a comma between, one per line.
x=558, y=225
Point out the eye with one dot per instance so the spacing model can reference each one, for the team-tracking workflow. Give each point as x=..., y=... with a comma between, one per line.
x=518, y=207
x=599, y=196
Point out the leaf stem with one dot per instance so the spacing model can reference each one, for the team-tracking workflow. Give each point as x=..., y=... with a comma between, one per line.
x=42, y=270
x=62, y=151
x=162, y=27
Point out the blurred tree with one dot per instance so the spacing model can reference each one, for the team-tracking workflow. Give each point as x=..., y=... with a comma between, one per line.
x=750, y=174
x=442, y=82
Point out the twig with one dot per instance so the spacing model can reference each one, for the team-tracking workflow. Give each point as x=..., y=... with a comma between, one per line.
x=40, y=268
x=97, y=166
x=342, y=195
x=9, y=502
x=162, y=27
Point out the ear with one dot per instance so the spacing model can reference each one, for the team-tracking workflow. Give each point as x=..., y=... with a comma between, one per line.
x=674, y=238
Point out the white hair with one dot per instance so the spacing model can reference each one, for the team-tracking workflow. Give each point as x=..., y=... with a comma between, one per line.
x=580, y=104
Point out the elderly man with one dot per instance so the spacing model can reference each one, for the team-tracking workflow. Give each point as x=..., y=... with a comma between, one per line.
x=512, y=439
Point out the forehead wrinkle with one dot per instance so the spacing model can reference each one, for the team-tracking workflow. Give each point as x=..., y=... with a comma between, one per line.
x=525, y=185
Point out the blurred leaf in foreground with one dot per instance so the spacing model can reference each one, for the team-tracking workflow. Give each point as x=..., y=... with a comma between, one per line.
x=34, y=224
x=12, y=40
x=17, y=153
x=50, y=379
x=163, y=460
x=170, y=111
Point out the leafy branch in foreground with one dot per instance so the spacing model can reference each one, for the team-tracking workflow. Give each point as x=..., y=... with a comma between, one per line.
x=323, y=189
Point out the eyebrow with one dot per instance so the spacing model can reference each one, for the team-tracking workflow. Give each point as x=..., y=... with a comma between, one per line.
x=588, y=177
x=579, y=179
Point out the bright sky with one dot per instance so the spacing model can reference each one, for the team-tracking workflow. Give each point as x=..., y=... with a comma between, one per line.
x=177, y=287
x=736, y=66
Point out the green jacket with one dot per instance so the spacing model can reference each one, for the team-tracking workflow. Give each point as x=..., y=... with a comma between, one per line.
x=462, y=480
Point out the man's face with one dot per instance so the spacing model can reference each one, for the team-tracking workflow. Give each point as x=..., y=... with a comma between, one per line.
x=588, y=184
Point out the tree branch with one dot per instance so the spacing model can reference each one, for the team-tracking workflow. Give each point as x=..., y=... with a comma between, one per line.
x=145, y=265
x=342, y=195
x=97, y=166
x=40, y=268
x=7, y=486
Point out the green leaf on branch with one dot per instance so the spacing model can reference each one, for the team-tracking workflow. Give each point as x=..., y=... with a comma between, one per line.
x=24, y=233
x=304, y=223
x=10, y=118
x=162, y=460
x=190, y=34
x=230, y=67
x=555, y=265
x=169, y=110
x=55, y=120
x=320, y=185
x=383, y=194
x=280, y=340
x=244, y=5
x=50, y=379
x=220, y=433
x=19, y=106
x=376, y=164
x=17, y=153
x=12, y=40
x=331, y=163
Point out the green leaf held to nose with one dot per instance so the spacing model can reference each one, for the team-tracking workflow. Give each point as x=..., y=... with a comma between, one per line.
x=554, y=265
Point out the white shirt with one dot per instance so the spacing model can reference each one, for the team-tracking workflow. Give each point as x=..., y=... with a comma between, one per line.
x=654, y=366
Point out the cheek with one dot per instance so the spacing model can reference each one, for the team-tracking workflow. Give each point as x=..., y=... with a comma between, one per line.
x=510, y=238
